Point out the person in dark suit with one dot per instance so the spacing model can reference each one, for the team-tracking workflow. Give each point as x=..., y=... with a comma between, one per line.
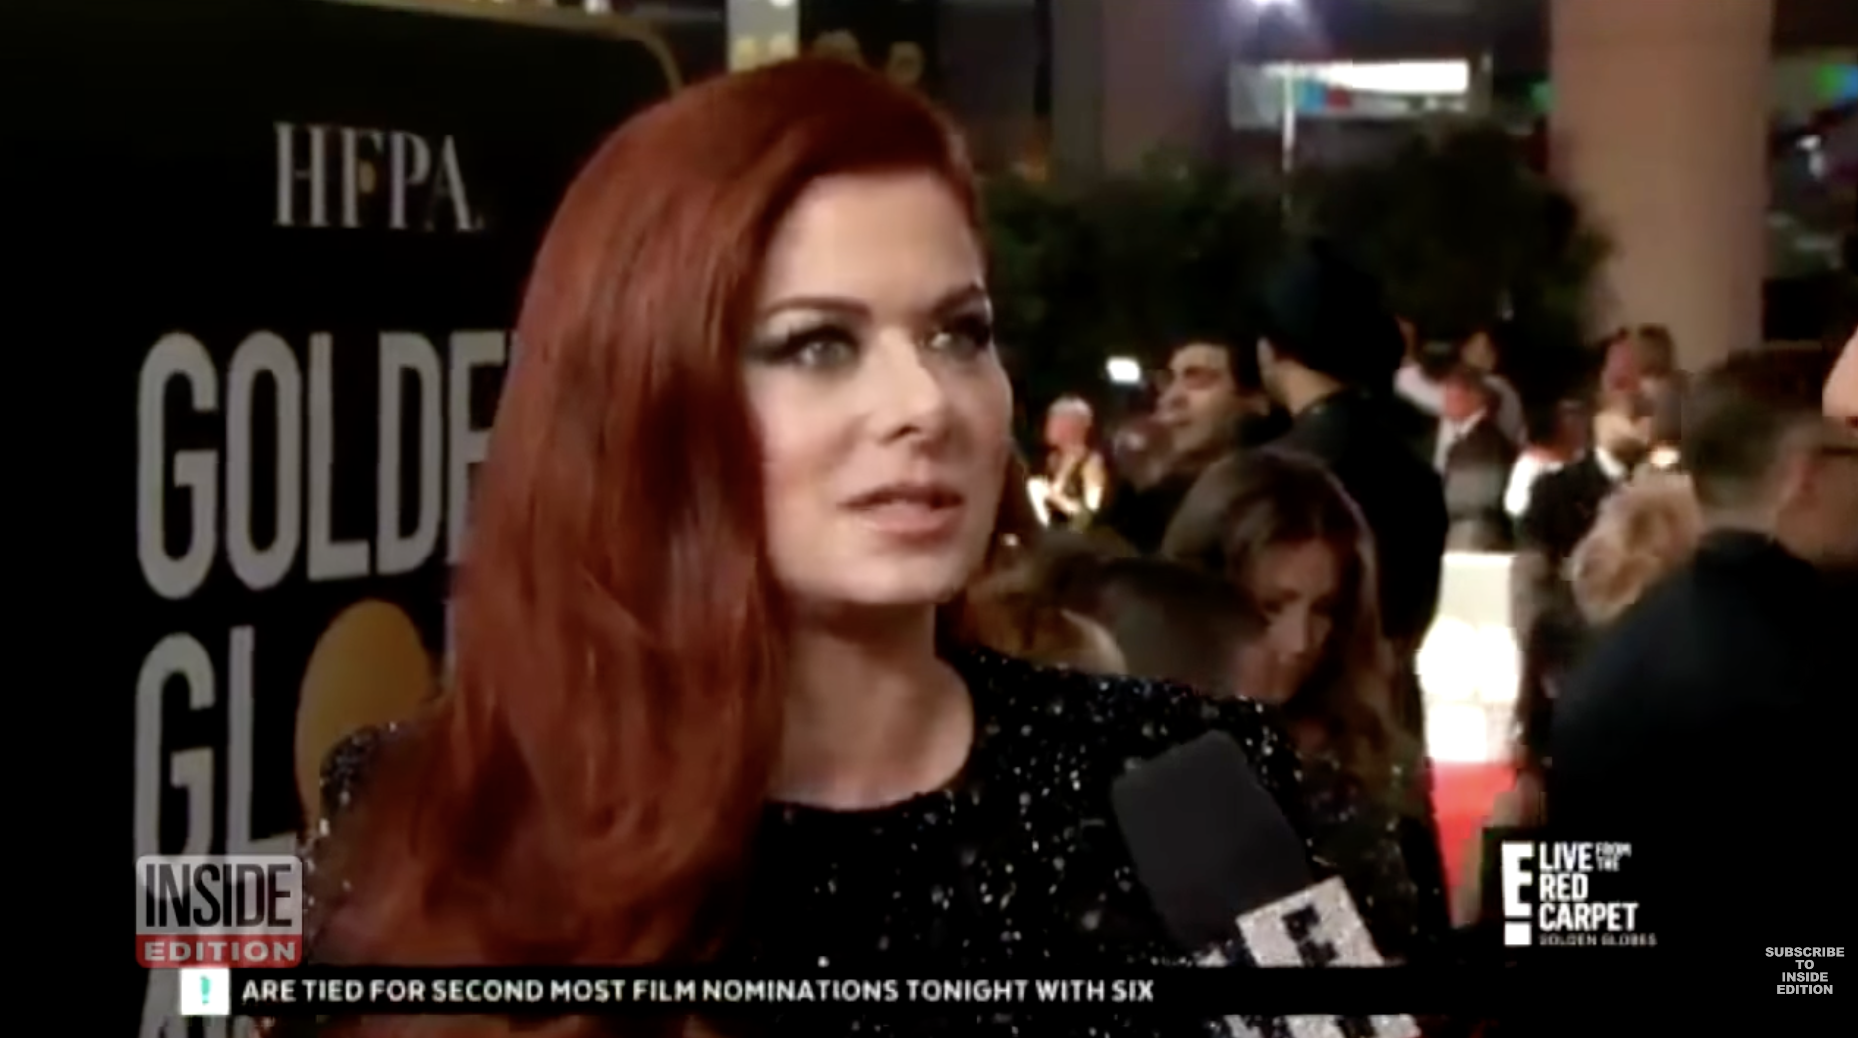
x=1474, y=456
x=1710, y=725
x=1330, y=349
x=1563, y=506
x=1328, y=355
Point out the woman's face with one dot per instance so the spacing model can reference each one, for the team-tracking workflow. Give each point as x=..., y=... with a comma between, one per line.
x=1295, y=586
x=1066, y=429
x=883, y=411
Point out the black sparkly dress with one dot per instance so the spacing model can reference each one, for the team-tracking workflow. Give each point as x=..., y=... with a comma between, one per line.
x=1364, y=839
x=1018, y=867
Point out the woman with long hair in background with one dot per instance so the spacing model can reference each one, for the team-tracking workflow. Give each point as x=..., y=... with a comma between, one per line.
x=1283, y=530
x=715, y=698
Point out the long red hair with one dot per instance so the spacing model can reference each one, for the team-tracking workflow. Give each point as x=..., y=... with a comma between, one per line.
x=588, y=789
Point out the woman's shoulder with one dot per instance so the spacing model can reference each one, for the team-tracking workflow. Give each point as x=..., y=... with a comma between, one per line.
x=1124, y=719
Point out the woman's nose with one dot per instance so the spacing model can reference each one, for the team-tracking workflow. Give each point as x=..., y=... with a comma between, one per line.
x=1293, y=636
x=912, y=393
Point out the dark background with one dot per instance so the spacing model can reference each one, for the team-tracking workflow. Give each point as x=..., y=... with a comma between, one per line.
x=151, y=188
x=879, y=25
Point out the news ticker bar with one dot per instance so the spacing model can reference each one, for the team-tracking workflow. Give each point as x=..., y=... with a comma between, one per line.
x=518, y=991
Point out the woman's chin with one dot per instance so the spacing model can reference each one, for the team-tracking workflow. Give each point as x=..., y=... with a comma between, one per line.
x=907, y=591
x=891, y=588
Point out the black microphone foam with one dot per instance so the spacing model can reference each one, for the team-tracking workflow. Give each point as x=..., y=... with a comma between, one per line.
x=1229, y=875
x=1209, y=842
x=1227, y=871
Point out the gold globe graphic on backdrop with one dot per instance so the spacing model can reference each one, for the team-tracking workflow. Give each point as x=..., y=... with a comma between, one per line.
x=369, y=668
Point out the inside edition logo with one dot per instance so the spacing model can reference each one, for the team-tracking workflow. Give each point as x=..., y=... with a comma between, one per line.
x=1558, y=892
x=202, y=910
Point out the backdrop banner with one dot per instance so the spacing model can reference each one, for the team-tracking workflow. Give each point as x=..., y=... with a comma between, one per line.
x=304, y=229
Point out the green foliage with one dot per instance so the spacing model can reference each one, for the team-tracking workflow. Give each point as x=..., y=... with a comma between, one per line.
x=1461, y=231
x=1464, y=235
x=1035, y=235
x=1129, y=266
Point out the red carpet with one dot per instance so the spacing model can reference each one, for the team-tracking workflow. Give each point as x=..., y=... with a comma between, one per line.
x=1462, y=795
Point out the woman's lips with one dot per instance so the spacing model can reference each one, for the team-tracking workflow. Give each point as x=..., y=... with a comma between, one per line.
x=911, y=511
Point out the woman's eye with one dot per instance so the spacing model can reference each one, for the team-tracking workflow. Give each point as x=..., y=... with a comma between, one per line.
x=965, y=337
x=816, y=348
x=826, y=352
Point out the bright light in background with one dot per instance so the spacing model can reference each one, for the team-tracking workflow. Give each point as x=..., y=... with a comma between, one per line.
x=1124, y=371
x=1038, y=491
x=1272, y=3
x=1469, y=663
x=1421, y=78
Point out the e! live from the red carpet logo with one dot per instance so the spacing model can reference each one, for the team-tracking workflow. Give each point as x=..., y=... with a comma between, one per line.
x=219, y=910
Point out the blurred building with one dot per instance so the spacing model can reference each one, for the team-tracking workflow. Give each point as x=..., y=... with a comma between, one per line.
x=1711, y=138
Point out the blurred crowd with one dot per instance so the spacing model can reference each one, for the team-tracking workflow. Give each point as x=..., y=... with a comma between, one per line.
x=1276, y=525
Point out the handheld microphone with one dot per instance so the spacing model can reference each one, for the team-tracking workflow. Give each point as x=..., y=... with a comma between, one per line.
x=1230, y=879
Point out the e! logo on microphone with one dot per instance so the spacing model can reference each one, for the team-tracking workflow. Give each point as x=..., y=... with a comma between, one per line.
x=1549, y=895
x=1317, y=926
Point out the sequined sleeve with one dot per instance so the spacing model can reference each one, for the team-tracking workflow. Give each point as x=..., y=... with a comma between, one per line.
x=344, y=773
x=1363, y=839
x=348, y=765
x=1127, y=720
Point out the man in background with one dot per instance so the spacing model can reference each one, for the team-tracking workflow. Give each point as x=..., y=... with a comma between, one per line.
x=1419, y=390
x=1474, y=456
x=1416, y=380
x=1662, y=382
x=1563, y=504
x=1207, y=409
x=1481, y=353
x=1556, y=437
x=1710, y=725
x=1328, y=357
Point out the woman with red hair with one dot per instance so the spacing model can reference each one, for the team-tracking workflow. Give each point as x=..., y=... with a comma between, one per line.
x=713, y=700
